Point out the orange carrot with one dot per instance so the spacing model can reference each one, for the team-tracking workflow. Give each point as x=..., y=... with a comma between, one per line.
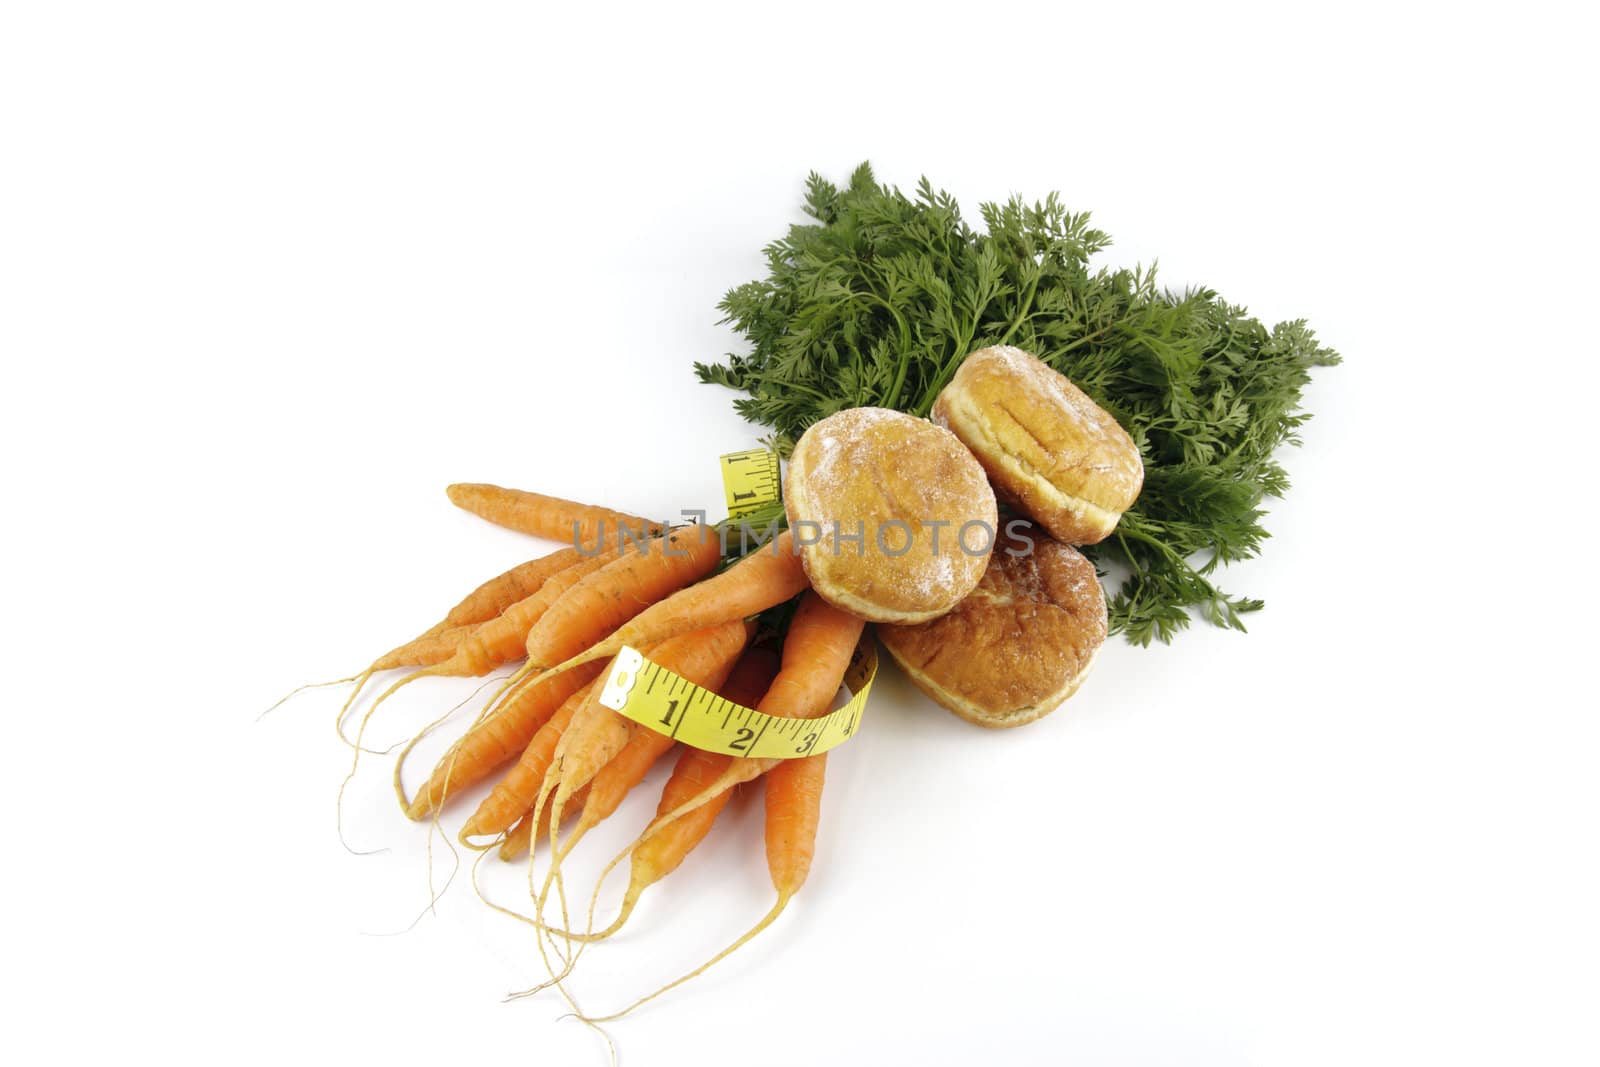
x=619, y=591
x=505, y=589
x=794, y=809
x=597, y=734
x=428, y=650
x=500, y=736
x=545, y=516
x=602, y=601
x=434, y=646
x=483, y=604
x=661, y=855
x=504, y=637
x=520, y=838
x=658, y=854
x=765, y=578
x=513, y=796
x=816, y=653
x=437, y=643
x=616, y=779
x=501, y=639
x=425, y=650
x=593, y=608
x=744, y=686
x=750, y=678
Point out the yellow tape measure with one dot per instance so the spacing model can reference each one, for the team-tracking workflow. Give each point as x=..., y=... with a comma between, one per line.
x=670, y=704
x=750, y=480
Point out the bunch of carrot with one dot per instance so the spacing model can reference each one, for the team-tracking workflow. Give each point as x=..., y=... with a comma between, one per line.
x=559, y=751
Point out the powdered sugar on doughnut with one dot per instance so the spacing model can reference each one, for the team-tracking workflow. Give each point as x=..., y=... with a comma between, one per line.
x=888, y=475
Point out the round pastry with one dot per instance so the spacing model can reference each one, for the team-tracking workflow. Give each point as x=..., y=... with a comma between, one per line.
x=1019, y=644
x=893, y=516
x=1048, y=448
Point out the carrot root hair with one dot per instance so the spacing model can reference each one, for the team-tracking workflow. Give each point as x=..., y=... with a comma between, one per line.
x=540, y=935
x=355, y=757
x=550, y=791
x=405, y=751
x=361, y=681
x=609, y=646
x=726, y=781
x=361, y=730
x=743, y=939
x=297, y=690
x=629, y=899
x=557, y=853
x=635, y=890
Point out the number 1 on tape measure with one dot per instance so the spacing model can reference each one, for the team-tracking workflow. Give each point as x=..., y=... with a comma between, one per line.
x=750, y=480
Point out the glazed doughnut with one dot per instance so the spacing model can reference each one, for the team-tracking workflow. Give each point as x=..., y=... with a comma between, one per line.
x=893, y=516
x=1019, y=644
x=1049, y=450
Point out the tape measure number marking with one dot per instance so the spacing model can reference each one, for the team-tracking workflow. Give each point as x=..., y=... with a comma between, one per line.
x=750, y=480
x=670, y=704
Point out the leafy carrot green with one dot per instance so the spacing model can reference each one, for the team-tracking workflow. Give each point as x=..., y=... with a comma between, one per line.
x=878, y=299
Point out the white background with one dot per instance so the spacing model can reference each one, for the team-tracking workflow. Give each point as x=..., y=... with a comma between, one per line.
x=272, y=275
